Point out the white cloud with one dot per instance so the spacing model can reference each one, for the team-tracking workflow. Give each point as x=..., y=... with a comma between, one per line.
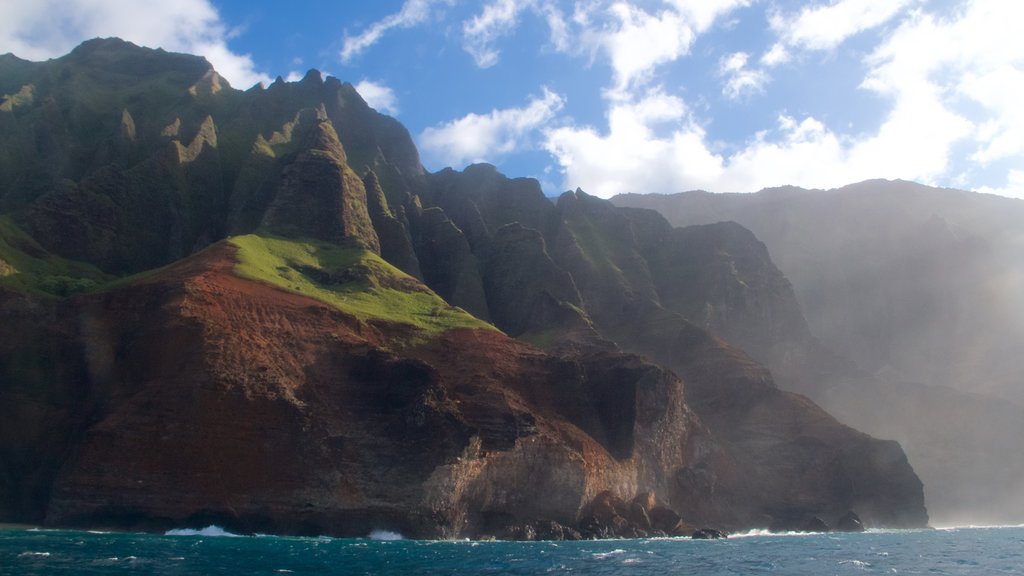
x=740, y=80
x=413, y=13
x=481, y=137
x=824, y=27
x=776, y=55
x=559, y=27
x=955, y=80
x=49, y=28
x=636, y=40
x=643, y=41
x=702, y=15
x=378, y=96
x=998, y=90
x=632, y=157
x=1014, y=187
x=501, y=18
x=497, y=19
x=952, y=83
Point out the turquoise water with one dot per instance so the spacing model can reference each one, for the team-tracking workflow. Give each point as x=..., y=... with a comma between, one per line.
x=953, y=551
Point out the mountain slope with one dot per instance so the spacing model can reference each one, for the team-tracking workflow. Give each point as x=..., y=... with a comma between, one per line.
x=299, y=338
x=909, y=285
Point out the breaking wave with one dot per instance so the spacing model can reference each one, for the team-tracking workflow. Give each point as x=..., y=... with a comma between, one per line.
x=210, y=530
x=385, y=535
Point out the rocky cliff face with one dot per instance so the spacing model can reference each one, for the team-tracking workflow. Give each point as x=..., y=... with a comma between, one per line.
x=281, y=376
x=278, y=412
x=911, y=289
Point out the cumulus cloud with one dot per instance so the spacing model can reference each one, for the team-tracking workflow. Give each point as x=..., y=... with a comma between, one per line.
x=48, y=28
x=826, y=26
x=740, y=80
x=956, y=79
x=380, y=97
x=643, y=41
x=952, y=83
x=633, y=156
x=656, y=144
x=412, y=13
x=482, y=137
x=776, y=55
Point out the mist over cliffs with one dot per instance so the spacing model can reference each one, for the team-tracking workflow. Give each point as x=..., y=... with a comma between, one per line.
x=916, y=293
x=258, y=309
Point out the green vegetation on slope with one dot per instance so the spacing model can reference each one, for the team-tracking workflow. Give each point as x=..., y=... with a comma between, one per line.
x=352, y=279
x=26, y=267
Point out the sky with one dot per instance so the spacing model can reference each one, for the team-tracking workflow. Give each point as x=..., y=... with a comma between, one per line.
x=616, y=96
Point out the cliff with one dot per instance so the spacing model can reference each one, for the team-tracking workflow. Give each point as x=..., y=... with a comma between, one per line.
x=914, y=294
x=257, y=309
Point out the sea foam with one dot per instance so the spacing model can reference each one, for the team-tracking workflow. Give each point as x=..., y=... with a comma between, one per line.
x=210, y=530
x=385, y=535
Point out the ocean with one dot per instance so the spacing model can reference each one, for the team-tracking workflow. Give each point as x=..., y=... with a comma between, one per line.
x=212, y=551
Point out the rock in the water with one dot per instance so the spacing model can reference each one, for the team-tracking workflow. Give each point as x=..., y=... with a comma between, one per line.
x=666, y=520
x=708, y=534
x=850, y=522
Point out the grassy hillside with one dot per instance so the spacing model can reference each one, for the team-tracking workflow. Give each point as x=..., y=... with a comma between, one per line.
x=352, y=279
x=26, y=267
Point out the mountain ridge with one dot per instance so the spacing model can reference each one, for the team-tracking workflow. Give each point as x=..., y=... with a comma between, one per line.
x=262, y=327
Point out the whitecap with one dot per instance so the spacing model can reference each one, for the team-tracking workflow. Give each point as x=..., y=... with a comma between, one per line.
x=34, y=555
x=210, y=530
x=756, y=532
x=385, y=535
x=977, y=527
x=608, y=554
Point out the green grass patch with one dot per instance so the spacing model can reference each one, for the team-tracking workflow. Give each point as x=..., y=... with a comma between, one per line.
x=351, y=279
x=26, y=266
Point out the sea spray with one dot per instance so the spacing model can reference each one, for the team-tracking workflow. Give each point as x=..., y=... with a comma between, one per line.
x=211, y=530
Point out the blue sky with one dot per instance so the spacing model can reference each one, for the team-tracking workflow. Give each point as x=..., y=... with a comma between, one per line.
x=628, y=95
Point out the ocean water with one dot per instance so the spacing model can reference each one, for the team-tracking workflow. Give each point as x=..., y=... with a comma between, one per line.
x=212, y=551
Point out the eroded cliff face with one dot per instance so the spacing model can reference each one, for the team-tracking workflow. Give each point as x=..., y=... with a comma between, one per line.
x=212, y=398
x=782, y=459
x=293, y=381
